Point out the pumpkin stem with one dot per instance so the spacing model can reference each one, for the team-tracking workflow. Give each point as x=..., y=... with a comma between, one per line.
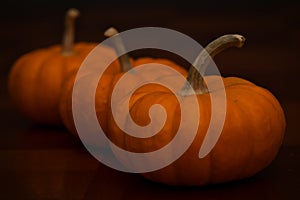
x=68, y=37
x=197, y=70
x=120, y=48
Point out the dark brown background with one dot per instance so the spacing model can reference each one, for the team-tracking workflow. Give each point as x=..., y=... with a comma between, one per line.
x=39, y=162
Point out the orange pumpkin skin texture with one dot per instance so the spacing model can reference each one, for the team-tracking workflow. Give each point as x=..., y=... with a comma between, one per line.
x=251, y=137
x=36, y=79
x=104, y=89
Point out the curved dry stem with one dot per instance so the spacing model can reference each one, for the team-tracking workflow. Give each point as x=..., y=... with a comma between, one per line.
x=197, y=70
x=120, y=48
x=68, y=37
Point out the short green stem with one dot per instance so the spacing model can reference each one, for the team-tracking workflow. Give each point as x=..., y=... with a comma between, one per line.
x=197, y=70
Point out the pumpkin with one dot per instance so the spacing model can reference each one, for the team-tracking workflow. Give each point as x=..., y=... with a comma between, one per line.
x=250, y=139
x=106, y=83
x=36, y=78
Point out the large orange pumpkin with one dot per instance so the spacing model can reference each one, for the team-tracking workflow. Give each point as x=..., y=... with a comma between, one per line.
x=36, y=78
x=105, y=85
x=250, y=139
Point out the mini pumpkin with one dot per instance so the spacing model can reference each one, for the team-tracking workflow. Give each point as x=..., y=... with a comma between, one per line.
x=250, y=139
x=106, y=84
x=36, y=78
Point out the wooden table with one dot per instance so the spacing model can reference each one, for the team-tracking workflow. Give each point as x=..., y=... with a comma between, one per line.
x=40, y=162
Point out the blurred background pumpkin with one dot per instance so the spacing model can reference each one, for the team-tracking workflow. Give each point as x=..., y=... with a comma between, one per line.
x=106, y=83
x=36, y=78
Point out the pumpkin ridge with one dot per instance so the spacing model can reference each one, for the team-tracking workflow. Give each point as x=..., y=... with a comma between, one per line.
x=265, y=99
x=40, y=64
x=271, y=99
x=158, y=99
x=237, y=110
x=260, y=91
x=37, y=101
x=143, y=97
x=246, y=163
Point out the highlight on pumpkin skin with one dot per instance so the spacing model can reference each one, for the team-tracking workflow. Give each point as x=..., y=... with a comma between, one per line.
x=68, y=37
x=197, y=70
x=120, y=48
